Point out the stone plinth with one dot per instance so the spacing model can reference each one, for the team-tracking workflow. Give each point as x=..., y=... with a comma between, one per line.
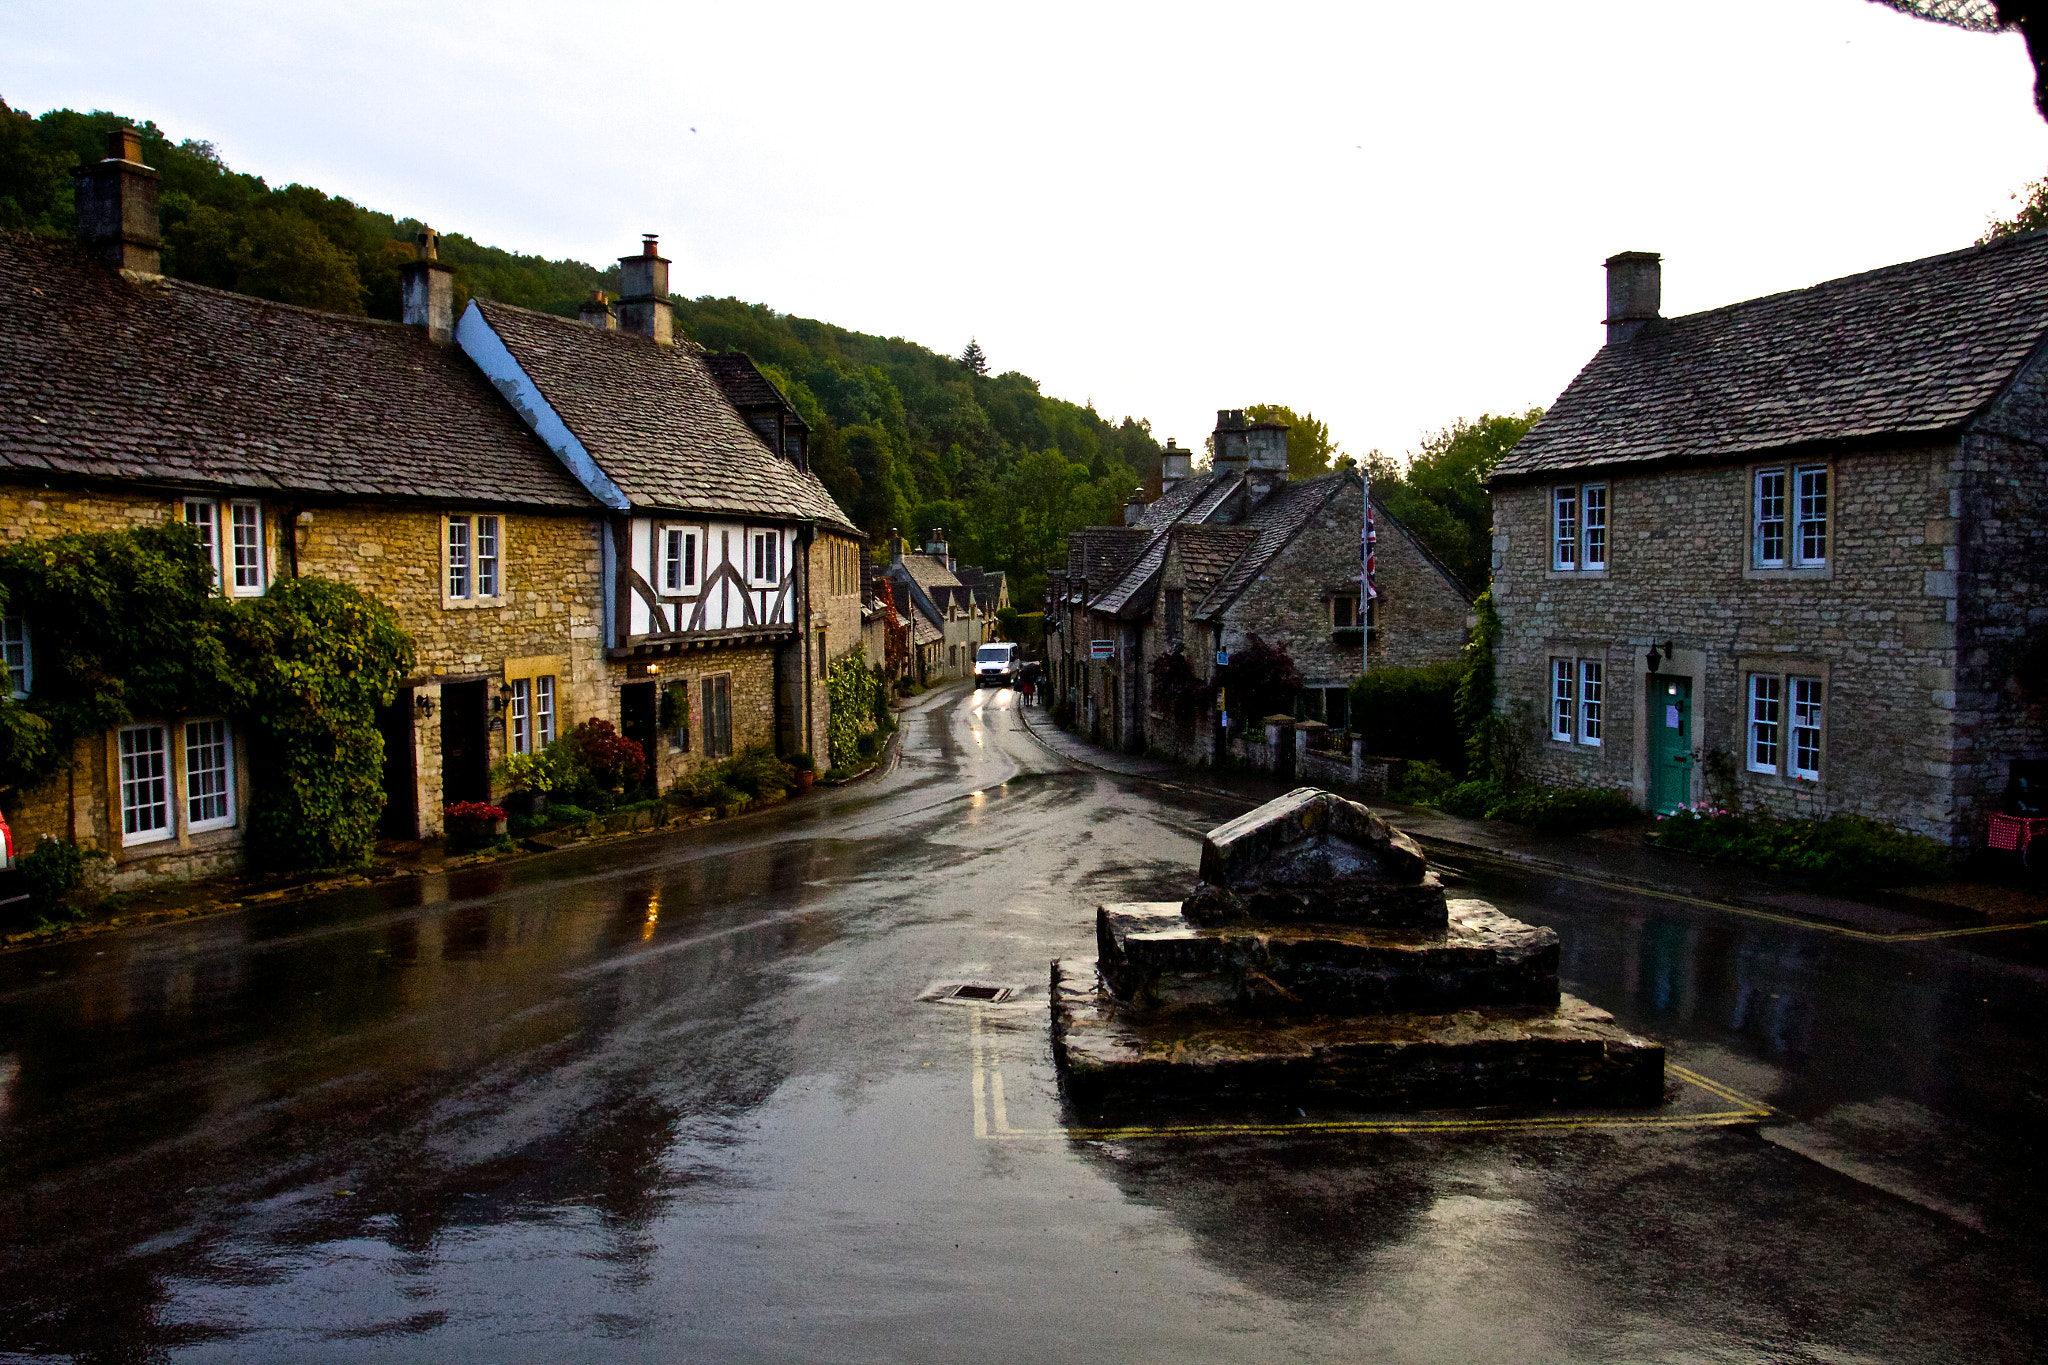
x=1320, y=956
x=1153, y=958
x=1572, y=1055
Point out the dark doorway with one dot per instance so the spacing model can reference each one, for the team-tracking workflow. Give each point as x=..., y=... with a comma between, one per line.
x=401, y=818
x=465, y=742
x=636, y=720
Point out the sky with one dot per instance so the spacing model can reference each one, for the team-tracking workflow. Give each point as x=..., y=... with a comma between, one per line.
x=1390, y=215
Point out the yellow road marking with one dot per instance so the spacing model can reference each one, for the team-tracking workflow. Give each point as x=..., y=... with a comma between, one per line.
x=992, y=1118
x=1866, y=935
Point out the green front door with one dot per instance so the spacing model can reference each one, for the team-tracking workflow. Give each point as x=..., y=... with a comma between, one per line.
x=1670, y=717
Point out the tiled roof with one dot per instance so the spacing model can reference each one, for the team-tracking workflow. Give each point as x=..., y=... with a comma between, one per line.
x=928, y=572
x=109, y=376
x=746, y=385
x=1206, y=554
x=923, y=632
x=1278, y=519
x=656, y=421
x=1101, y=554
x=1909, y=350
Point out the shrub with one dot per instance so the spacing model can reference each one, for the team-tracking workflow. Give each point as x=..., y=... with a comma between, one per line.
x=1839, y=847
x=856, y=694
x=1412, y=713
x=1259, y=681
x=567, y=815
x=1421, y=783
x=802, y=763
x=471, y=824
x=612, y=760
x=50, y=871
x=1562, y=810
x=757, y=772
x=1472, y=799
x=526, y=773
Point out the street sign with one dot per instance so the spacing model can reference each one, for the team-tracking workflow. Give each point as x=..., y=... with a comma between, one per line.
x=1223, y=657
x=1102, y=649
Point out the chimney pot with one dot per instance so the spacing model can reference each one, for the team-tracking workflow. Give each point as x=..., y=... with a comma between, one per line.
x=426, y=286
x=117, y=207
x=1635, y=288
x=650, y=244
x=597, y=311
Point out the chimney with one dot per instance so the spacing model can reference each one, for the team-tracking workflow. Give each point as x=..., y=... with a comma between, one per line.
x=936, y=546
x=597, y=311
x=426, y=287
x=117, y=217
x=1134, y=506
x=1267, y=442
x=1635, y=291
x=1174, y=465
x=643, y=296
x=1233, y=453
x=895, y=546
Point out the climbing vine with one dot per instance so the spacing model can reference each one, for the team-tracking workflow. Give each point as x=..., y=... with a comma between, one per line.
x=855, y=691
x=125, y=624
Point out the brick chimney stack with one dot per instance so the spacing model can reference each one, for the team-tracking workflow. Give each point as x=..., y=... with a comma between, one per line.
x=1233, y=451
x=643, y=297
x=1635, y=291
x=426, y=286
x=597, y=311
x=117, y=214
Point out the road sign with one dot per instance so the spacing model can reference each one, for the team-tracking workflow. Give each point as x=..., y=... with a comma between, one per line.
x=1102, y=649
x=1223, y=657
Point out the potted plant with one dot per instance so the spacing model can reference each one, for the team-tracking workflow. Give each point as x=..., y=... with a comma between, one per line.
x=806, y=771
x=531, y=778
x=472, y=824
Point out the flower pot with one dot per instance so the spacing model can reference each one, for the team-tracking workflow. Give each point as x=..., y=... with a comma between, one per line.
x=804, y=778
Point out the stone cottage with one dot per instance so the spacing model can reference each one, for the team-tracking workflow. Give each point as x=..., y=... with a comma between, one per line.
x=730, y=578
x=293, y=442
x=1227, y=554
x=1790, y=552
x=955, y=618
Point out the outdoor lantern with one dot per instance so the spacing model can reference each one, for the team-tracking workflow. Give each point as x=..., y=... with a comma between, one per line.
x=424, y=704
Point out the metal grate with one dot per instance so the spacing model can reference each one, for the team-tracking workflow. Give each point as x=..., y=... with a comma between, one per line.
x=980, y=993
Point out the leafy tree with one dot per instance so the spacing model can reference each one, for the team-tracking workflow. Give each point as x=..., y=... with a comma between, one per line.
x=1441, y=493
x=972, y=359
x=1310, y=451
x=2032, y=215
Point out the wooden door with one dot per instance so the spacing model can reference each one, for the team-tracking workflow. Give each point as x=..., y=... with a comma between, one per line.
x=1670, y=741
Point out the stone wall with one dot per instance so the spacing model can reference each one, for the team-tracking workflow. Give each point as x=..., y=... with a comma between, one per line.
x=752, y=668
x=1875, y=625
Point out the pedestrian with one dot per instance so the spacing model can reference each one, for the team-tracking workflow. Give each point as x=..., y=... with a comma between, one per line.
x=1027, y=681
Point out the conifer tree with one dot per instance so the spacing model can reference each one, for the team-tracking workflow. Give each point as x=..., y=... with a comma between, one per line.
x=973, y=359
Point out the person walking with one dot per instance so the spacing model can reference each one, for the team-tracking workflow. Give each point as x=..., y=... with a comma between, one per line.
x=1027, y=681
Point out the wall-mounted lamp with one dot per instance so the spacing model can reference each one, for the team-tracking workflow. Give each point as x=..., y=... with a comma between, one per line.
x=654, y=668
x=423, y=704
x=1655, y=660
x=498, y=705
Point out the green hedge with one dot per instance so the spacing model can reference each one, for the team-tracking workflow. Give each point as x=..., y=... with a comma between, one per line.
x=1411, y=713
x=1838, y=847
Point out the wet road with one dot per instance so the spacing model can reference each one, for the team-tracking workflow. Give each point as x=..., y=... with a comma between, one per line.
x=677, y=1099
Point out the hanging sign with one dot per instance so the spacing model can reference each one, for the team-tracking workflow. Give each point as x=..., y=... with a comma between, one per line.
x=1223, y=658
x=1102, y=649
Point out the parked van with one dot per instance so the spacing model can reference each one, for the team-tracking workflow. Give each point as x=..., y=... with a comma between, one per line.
x=996, y=664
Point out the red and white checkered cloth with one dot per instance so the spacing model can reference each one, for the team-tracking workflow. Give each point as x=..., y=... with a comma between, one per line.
x=2013, y=832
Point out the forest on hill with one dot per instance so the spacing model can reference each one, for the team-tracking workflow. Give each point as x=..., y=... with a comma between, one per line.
x=903, y=436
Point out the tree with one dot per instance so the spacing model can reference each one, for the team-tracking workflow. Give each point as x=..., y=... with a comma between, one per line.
x=972, y=359
x=1441, y=494
x=2032, y=215
x=1310, y=451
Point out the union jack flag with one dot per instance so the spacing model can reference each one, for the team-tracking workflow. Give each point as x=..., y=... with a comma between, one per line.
x=1369, y=538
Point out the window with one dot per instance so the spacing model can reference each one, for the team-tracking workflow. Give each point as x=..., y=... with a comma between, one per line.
x=145, y=785
x=1563, y=699
x=1592, y=688
x=1344, y=612
x=473, y=552
x=1790, y=525
x=1806, y=728
x=544, y=710
x=767, y=558
x=486, y=556
x=679, y=546
x=21, y=675
x=203, y=516
x=245, y=525
x=522, y=715
x=1766, y=701
x=1565, y=528
x=1594, y=527
x=1578, y=528
x=718, y=716
x=209, y=775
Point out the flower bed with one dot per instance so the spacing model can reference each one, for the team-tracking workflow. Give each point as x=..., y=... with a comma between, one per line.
x=1838, y=847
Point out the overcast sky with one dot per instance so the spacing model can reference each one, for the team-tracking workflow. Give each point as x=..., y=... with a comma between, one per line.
x=1392, y=215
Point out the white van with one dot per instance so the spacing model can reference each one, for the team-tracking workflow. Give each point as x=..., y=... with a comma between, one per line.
x=995, y=664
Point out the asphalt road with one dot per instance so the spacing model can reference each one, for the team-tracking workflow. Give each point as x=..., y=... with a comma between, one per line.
x=679, y=1099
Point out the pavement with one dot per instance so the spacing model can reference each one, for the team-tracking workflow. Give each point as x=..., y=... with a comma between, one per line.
x=710, y=1095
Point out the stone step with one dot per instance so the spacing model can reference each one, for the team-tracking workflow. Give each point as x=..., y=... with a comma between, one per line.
x=1153, y=958
x=1573, y=1055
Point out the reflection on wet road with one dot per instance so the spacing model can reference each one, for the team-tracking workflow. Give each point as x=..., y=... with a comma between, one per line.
x=677, y=1099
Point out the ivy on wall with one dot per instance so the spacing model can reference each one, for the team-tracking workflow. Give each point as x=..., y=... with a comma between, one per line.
x=855, y=691
x=125, y=624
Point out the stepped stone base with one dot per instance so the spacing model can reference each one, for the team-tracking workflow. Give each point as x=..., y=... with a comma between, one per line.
x=1574, y=1055
x=1153, y=958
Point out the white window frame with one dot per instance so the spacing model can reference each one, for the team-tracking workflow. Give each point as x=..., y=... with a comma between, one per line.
x=203, y=516
x=246, y=577
x=1593, y=528
x=679, y=575
x=145, y=793
x=19, y=655
x=193, y=774
x=1592, y=700
x=1564, y=706
x=1763, y=732
x=764, y=547
x=519, y=721
x=1767, y=520
x=1807, y=724
x=1810, y=490
x=473, y=557
x=544, y=727
x=1564, y=528
x=1791, y=511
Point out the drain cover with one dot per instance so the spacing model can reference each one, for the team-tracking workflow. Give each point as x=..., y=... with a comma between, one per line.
x=971, y=992
x=979, y=992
